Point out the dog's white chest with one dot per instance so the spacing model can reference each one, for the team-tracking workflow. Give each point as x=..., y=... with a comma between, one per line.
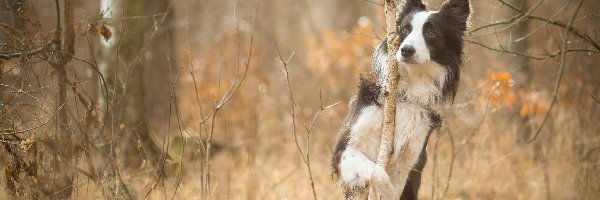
x=412, y=127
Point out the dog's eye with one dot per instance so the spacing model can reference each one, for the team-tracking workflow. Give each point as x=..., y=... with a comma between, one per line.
x=405, y=30
x=431, y=34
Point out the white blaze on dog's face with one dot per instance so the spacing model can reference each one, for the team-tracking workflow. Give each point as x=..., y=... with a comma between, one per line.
x=431, y=47
x=413, y=49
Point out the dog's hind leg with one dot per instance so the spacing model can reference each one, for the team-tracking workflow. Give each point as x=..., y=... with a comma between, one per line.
x=411, y=189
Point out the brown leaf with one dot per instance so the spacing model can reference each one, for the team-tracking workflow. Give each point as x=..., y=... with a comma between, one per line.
x=105, y=32
x=122, y=126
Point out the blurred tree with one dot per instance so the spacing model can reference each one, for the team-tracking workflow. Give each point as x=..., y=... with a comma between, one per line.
x=520, y=43
x=108, y=57
x=59, y=181
x=134, y=112
x=109, y=103
x=347, y=13
x=124, y=65
x=159, y=61
x=8, y=16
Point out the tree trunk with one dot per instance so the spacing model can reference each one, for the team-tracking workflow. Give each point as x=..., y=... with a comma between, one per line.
x=60, y=181
x=146, y=90
x=520, y=43
x=134, y=115
x=390, y=88
x=160, y=65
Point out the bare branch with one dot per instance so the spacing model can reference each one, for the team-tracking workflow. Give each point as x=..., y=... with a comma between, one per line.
x=559, y=73
x=512, y=21
x=306, y=158
x=8, y=132
x=9, y=28
x=589, y=153
x=595, y=97
x=373, y=2
x=223, y=100
x=7, y=56
x=569, y=27
x=540, y=57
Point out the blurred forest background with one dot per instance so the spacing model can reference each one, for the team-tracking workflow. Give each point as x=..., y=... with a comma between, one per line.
x=232, y=99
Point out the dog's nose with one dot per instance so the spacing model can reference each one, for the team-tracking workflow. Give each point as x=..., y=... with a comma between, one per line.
x=407, y=51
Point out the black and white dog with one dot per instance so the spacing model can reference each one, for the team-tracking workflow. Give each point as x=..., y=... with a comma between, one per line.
x=429, y=59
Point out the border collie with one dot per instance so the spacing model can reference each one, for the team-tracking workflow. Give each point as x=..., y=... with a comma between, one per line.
x=429, y=61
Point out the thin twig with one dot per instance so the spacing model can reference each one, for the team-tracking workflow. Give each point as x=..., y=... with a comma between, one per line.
x=589, y=153
x=305, y=159
x=452, y=159
x=512, y=21
x=559, y=73
x=225, y=98
x=373, y=2
x=6, y=132
x=569, y=27
x=11, y=29
x=10, y=55
x=541, y=57
x=594, y=97
x=434, y=166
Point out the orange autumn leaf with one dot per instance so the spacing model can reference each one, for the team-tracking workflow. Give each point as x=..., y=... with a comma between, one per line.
x=524, y=111
x=499, y=76
x=540, y=108
x=497, y=87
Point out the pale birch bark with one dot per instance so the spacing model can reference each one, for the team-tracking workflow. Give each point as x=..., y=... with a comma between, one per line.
x=390, y=89
x=106, y=63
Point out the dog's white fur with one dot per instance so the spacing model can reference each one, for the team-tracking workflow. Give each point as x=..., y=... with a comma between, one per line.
x=420, y=78
x=357, y=166
x=416, y=39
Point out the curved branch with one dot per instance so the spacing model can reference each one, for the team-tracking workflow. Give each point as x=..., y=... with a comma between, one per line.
x=559, y=73
x=569, y=26
x=542, y=57
x=11, y=55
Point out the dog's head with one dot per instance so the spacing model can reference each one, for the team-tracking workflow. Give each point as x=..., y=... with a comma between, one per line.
x=433, y=37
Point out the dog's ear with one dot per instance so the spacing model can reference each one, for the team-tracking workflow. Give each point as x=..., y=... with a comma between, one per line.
x=407, y=7
x=410, y=5
x=457, y=11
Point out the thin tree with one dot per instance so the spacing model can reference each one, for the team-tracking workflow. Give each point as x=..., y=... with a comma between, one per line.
x=390, y=89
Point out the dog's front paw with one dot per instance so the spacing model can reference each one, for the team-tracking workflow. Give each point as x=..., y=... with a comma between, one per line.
x=382, y=185
x=357, y=176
